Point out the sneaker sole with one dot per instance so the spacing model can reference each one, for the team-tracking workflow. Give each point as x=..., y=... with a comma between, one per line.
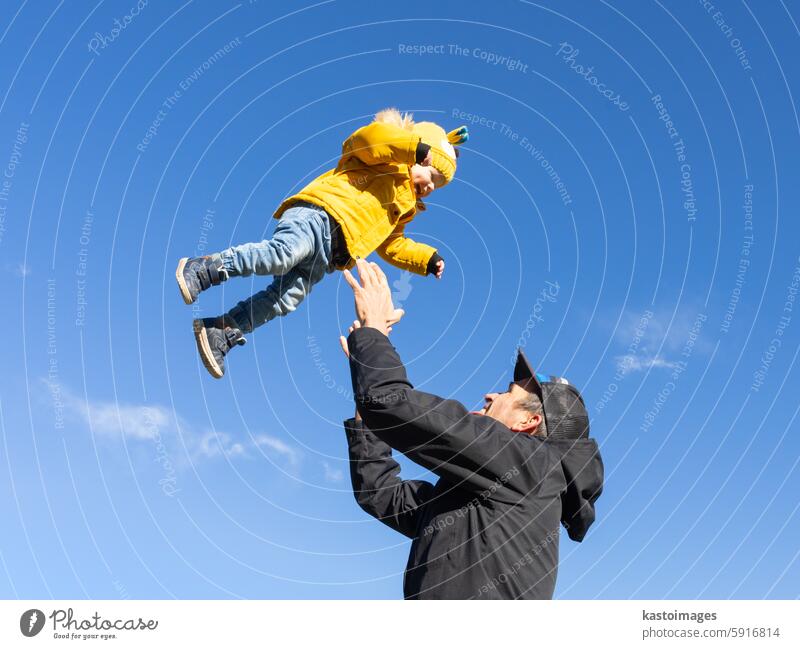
x=204, y=349
x=185, y=293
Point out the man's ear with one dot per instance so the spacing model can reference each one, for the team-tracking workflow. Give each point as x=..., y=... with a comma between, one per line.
x=530, y=425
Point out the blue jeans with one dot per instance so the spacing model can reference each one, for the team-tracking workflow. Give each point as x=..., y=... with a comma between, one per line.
x=298, y=255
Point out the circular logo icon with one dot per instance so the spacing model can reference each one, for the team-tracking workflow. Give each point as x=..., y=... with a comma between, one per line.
x=31, y=622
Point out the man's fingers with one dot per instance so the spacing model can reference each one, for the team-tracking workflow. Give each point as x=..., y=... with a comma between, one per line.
x=395, y=317
x=364, y=273
x=379, y=274
x=348, y=277
x=370, y=268
x=343, y=343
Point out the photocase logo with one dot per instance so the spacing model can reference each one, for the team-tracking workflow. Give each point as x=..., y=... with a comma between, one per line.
x=31, y=622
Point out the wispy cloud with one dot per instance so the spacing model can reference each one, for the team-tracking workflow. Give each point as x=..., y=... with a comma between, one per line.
x=277, y=447
x=654, y=338
x=111, y=419
x=215, y=443
x=640, y=363
x=161, y=425
x=332, y=474
x=21, y=270
x=401, y=289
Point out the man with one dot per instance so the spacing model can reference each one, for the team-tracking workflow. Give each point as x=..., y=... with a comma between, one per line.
x=508, y=474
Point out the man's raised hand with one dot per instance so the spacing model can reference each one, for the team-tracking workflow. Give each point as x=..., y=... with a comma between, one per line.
x=373, y=298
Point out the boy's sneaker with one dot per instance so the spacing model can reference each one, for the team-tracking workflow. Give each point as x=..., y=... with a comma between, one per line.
x=215, y=338
x=197, y=274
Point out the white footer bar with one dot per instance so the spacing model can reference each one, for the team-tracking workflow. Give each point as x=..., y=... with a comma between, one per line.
x=389, y=624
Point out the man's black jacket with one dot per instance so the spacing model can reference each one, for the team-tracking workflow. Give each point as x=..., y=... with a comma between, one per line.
x=488, y=529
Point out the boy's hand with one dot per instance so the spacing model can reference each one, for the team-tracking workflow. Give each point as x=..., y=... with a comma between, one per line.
x=439, y=269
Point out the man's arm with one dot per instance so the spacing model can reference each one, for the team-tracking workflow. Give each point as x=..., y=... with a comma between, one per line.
x=376, y=483
x=473, y=452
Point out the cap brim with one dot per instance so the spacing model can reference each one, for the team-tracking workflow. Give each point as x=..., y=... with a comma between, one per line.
x=523, y=370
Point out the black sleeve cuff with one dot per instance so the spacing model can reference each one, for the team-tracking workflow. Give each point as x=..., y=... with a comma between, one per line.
x=354, y=428
x=422, y=151
x=435, y=259
x=357, y=336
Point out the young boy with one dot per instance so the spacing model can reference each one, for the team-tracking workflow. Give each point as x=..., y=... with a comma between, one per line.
x=361, y=206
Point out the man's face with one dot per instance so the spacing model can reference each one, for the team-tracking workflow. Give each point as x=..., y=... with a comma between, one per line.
x=506, y=407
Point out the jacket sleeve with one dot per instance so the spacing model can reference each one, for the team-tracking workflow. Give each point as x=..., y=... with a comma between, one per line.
x=381, y=143
x=405, y=253
x=472, y=452
x=376, y=483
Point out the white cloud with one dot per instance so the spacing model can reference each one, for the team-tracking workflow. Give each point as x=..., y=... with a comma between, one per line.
x=332, y=474
x=137, y=422
x=213, y=443
x=640, y=363
x=401, y=289
x=273, y=446
x=21, y=270
x=160, y=425
x=661, y=331
x=651, y=337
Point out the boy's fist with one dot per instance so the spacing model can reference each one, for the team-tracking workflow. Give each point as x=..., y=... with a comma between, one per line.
x=435, y=265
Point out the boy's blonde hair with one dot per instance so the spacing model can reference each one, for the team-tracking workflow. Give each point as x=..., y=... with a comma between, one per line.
x=393, y=116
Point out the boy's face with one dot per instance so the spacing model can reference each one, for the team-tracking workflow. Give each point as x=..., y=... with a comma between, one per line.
x=425, y=179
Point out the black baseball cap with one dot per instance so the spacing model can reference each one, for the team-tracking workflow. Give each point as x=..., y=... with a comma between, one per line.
x=564, y=411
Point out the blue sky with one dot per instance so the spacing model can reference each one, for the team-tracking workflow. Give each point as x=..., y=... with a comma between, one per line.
x=625, y=209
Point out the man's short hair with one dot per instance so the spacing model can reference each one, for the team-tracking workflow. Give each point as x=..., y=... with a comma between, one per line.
x=533, y=404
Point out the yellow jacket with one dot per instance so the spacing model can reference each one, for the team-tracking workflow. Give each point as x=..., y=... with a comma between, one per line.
x=371, y=196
